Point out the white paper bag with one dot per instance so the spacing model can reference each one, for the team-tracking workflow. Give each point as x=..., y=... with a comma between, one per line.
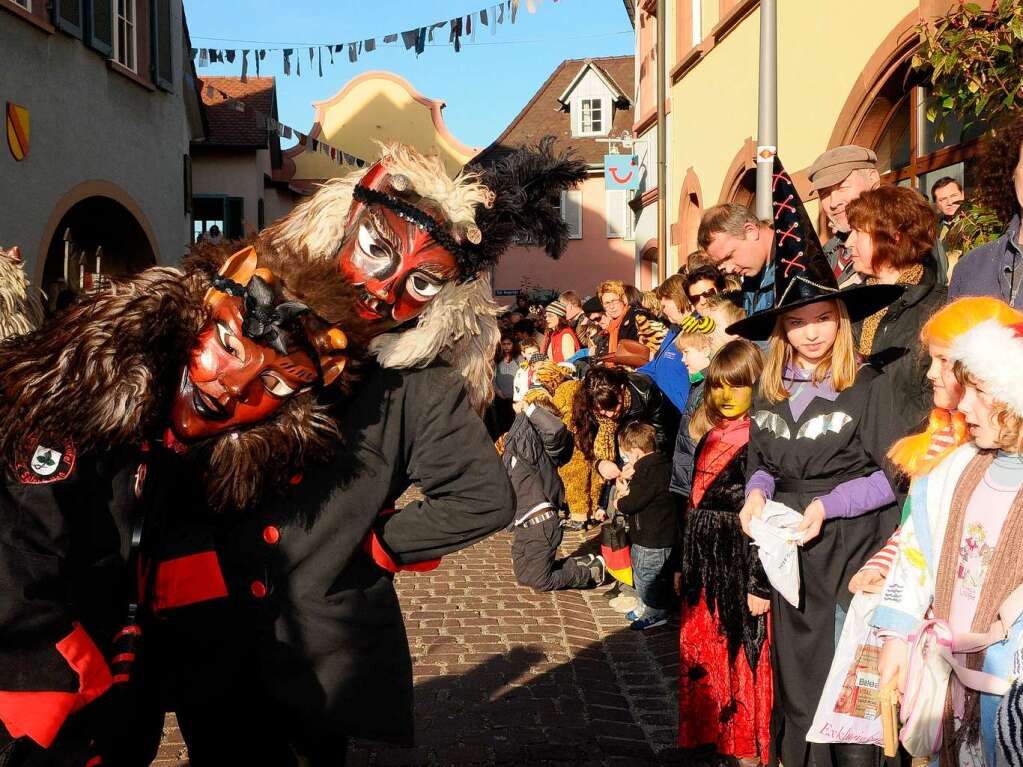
x=849, y=710
x=776, y=537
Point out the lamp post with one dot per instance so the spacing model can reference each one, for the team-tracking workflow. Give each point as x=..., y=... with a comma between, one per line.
x=767, y=118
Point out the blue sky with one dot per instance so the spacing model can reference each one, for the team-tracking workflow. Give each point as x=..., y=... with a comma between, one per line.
x=485, y=85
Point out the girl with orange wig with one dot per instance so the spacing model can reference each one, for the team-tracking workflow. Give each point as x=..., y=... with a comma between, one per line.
x=917, y=454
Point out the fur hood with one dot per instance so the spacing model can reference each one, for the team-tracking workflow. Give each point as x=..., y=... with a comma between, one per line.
x=105, y=371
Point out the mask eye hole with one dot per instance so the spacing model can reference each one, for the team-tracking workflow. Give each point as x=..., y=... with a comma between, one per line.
x=276, y=386
x=369, y=243
x=422, y=286
x=229, y=341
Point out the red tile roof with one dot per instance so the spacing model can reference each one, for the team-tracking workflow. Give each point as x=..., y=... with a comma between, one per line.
x=228, y=126
x=543, y=115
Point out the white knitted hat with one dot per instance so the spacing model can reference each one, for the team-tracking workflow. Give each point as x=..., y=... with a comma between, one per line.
x=994, y=354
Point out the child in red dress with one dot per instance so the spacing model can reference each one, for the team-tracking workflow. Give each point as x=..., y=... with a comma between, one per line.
x=725, y=688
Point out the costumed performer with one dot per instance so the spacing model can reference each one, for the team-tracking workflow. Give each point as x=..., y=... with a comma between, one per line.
x=725, y=686
x=959, y=556
x=818, y=443
x=320, y=631
x=123, y=421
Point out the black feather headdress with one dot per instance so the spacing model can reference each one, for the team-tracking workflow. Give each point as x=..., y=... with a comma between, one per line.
x=527, y=183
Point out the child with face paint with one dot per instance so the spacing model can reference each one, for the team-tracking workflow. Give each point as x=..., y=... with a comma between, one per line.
x=725, y=688
x=959, y=557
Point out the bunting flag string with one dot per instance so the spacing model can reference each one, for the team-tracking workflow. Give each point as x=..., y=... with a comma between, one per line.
x=418, y=38
x=337, y=156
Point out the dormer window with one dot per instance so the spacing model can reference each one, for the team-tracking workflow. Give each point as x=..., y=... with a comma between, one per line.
x=591, y=116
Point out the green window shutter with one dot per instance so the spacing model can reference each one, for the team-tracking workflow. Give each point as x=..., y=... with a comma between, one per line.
x=234, y=222
x=68, y=16
x=161, y=44
x=99, y=26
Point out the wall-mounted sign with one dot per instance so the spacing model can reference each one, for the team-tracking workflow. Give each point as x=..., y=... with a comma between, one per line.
x=621, y=171
x=17, y=130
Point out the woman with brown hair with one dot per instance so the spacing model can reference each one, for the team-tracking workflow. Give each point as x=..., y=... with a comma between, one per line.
x=723, y=587
x=891, y=236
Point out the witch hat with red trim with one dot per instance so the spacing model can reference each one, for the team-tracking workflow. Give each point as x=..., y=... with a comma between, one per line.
x=802, y=274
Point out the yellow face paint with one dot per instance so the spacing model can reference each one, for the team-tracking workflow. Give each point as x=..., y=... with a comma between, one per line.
x=732, y=401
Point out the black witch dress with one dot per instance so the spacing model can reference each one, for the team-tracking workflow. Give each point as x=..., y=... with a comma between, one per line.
x=833, y=450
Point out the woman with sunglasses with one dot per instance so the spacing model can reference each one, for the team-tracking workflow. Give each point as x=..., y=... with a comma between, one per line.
x=703, y=282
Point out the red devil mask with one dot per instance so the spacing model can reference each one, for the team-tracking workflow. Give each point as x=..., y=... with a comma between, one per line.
x=242, y=368
x=398, y=254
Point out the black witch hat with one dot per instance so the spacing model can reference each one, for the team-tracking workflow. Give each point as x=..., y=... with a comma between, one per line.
x=802, y=274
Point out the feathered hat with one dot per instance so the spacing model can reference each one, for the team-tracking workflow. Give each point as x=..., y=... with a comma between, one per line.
x=802, y=274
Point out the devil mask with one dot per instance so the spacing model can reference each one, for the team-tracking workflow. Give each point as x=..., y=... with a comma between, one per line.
x=247, y=360
x=397, y=254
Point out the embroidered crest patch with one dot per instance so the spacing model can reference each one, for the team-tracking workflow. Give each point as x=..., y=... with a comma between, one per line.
x=47, y=463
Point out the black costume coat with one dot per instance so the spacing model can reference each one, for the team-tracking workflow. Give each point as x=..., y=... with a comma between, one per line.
x=805, y=468
x=326, y=647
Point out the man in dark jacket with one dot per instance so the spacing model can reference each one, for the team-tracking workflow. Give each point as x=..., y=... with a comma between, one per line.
x=994, y=269
x=536, y=445
x=644, y=498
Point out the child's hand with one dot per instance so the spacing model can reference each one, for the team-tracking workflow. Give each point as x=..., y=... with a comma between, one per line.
x=629, y=471
x=756, y=605
x=622, y=487
x=752, y=509
x=813, y=520
x=608, y=470
x=871, y=581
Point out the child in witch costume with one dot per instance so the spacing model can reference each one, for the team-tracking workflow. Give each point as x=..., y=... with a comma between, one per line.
x=310, y=572
x=725, y=689
x=122, y=421
x=959, y=557
x=818, y=442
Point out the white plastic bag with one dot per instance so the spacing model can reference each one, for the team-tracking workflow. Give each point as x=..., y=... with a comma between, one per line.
x=849, y=710
x=776, y=538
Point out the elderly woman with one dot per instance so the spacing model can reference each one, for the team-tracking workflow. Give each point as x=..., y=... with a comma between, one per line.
x=891, y=236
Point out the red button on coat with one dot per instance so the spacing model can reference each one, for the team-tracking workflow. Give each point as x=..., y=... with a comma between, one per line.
x=258, y=589
x=271, y=534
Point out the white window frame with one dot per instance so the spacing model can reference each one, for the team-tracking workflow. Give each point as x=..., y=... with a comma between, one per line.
x=577, y=194
x=603, y=109
x=618, y=199
x=697, y=22
x=130, y=21
x=23, y=4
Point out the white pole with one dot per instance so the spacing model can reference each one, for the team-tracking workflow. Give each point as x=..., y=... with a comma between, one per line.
x=767, y=130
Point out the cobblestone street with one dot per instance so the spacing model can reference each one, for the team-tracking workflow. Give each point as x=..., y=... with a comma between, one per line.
x=506, y=676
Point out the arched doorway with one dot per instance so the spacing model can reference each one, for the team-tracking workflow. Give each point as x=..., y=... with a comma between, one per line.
x=96, y=236
x=887, y=111
x=690, y=211
x=741, y=177
x=648, y=266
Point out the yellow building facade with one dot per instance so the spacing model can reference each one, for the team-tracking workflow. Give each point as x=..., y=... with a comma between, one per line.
x=843, y=77
x=374, y=107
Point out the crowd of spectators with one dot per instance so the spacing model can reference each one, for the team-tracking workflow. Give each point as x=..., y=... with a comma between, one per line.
x=615, y=406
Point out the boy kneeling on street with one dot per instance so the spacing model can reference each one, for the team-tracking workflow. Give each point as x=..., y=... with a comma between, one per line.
x=643, y=497
x=537, y=443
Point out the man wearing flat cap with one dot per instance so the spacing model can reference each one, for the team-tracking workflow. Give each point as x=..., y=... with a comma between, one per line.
x=839, y=176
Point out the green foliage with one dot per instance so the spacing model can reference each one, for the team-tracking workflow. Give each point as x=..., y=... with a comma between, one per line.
x=975, y=60
x=973, y=225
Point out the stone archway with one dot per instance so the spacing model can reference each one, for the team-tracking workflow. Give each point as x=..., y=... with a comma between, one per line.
x=111, y=199
x=690, y=211
x=740, y=178
x=94, y=235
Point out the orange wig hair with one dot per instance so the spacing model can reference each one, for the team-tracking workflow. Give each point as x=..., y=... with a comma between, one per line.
x=910, y=454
